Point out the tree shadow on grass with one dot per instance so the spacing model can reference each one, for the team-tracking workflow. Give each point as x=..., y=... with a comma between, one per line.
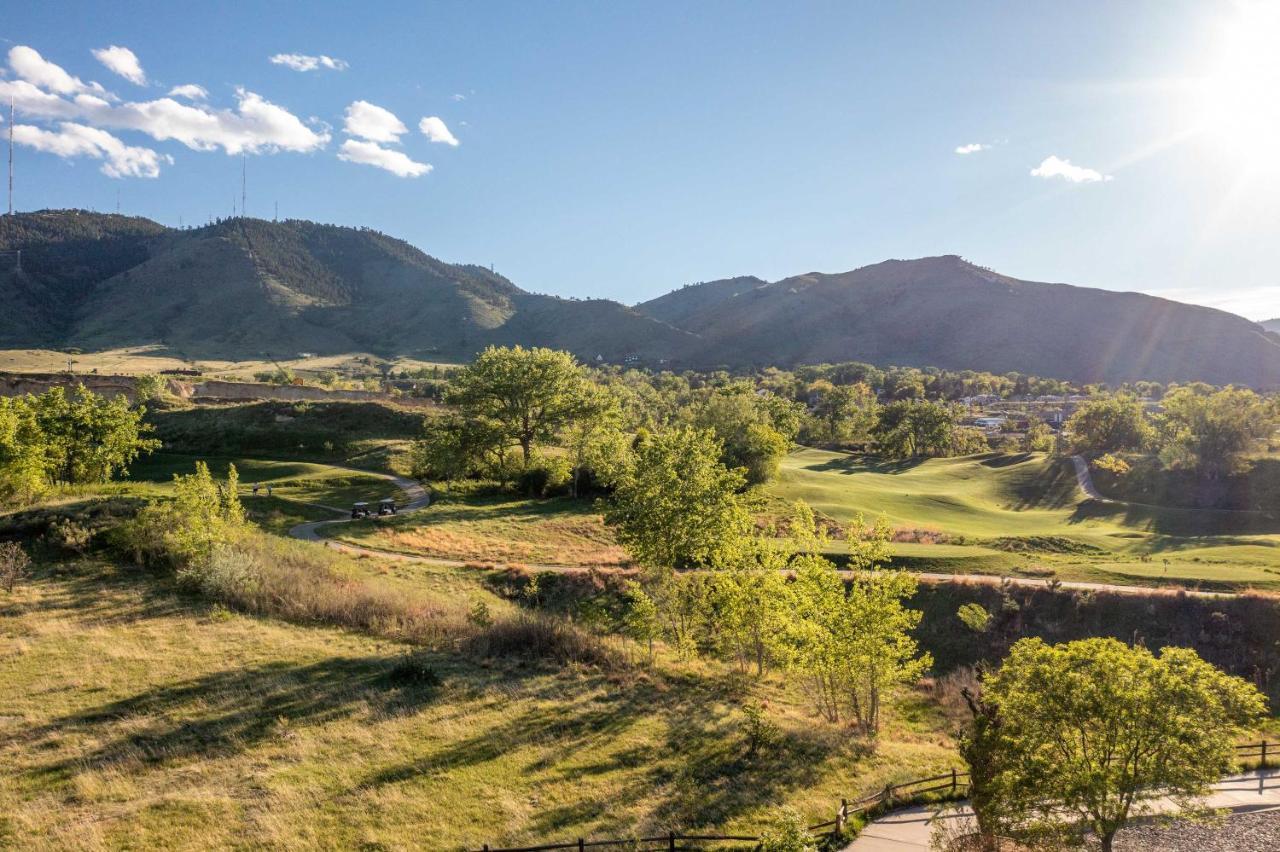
x=224, y=712
x=693, y=768
x=866, y=464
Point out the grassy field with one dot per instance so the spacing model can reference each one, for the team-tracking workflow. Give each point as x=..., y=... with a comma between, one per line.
x=1026, y=514
x=137, y=717
x=138, y=360
x=496, y=530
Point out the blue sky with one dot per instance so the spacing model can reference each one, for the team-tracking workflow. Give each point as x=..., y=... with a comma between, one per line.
x=624, y=149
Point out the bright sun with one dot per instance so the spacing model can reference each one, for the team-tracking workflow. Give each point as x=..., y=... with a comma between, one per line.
x=1240, y=101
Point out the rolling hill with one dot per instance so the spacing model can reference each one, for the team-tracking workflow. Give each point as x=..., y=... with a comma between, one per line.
x=946, y=312
x=249, y=288
x=1272, y=325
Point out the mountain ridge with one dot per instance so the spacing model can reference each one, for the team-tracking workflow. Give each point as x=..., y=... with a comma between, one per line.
x=249, y=288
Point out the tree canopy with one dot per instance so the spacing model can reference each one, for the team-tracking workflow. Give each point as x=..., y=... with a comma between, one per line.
x=1095, y=729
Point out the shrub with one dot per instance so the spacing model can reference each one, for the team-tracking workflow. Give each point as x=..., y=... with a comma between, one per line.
x=14, y=564
x=68, y=535
x=414, y=669
x=230, y=574
x=787, y=833
x=543, y=637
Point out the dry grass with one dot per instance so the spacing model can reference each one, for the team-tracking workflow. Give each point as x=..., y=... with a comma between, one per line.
x=559, y=532
x=138, y=718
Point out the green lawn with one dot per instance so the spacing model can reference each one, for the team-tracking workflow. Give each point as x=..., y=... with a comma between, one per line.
x=1025, y=514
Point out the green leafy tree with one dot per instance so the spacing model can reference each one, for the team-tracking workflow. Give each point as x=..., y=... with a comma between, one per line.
x=678, y=506
x=755, y=431
x=1213, y=433
x=641, y=619
x=594, y=438
x=526, y=395
x=23, y=462
x=1098, y=730
x=1039, y=438
x=842, y=414
x=1109, y=423
x=907, y=429
x=187, y=530
x=88, y=438
x=453, y=447
x=852, y=642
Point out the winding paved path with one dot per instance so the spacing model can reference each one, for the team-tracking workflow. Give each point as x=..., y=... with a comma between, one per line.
x=911, y=828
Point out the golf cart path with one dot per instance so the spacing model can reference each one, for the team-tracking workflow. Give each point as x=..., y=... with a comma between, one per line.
x=911, y=828
x=418, y=498
x=1085, y=479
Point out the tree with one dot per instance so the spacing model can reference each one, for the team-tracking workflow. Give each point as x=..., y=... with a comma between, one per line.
x=88, y=438
x=842, y=414
x=1212, y=433
x=594, y=438
x=1109, y=423
x=22, y=457
x=755, y=430
x=853, y=642
x=908, y=429
x=528, y=395
x=678, y=505
x=641, y=619
x=453, y=447
x=1097, y=729
x=186, y=531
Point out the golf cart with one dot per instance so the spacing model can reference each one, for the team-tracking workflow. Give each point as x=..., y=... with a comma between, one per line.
x=386, y=506
x=359, y=510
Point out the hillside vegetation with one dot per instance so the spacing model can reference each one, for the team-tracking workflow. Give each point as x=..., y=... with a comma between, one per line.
x=250, y=289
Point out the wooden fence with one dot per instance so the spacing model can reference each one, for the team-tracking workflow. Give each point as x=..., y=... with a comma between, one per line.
x=949, y=783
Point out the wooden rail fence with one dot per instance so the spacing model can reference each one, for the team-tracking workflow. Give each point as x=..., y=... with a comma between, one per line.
x=950, y=783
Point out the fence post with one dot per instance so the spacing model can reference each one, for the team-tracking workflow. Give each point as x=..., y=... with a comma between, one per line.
x=671, y=841
x=887, y=796
x=1264, y=755
x=581, y=845
x=954, y=781
x=842, y=814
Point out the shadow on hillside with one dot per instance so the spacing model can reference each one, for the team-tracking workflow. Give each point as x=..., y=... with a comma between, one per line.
x=1004, y=459
x=106, y=597
x=223, y=712
x=697, y=760
x=1048, y=487
x=865, y=464
x=1187, y=523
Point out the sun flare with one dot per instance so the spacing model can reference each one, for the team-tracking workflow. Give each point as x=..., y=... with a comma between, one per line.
x=1240, y=99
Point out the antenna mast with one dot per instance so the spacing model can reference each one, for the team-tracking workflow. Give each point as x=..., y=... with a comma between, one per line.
x=11, y=156
x=243, y=181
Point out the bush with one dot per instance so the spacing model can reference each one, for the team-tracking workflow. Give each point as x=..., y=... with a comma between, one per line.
x=414, y=669
x=230, y=574
x=544, y=637
x=787, y=833
x=14, y=564
x=546, y=476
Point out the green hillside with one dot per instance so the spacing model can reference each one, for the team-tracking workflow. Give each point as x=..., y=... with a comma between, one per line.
x=997, y=512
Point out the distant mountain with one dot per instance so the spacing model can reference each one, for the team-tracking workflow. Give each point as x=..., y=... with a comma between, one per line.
x=248, y=288
x=945, y=312
x=252, y=288
x=1271, y=325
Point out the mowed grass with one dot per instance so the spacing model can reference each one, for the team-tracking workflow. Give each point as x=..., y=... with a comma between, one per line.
x=1016, y=514
x=304, y=482
x=136, y=717
x=557, y=531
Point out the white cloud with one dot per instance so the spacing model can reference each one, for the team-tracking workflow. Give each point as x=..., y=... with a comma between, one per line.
x=1053, y=167
x=458, y=97
x=255, y=125
x=122, y=61
x=434, y=129
x=372, y=154
x=190, y=91
x=972, y=148
x=30, y=66
x=78, y=140
x=372, y=122
x=303, y=62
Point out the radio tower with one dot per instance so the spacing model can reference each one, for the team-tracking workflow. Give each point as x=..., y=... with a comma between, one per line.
x=10, y=156
x=243, y=183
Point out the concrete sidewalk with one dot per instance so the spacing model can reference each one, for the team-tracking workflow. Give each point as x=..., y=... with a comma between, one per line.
x=911, y=828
